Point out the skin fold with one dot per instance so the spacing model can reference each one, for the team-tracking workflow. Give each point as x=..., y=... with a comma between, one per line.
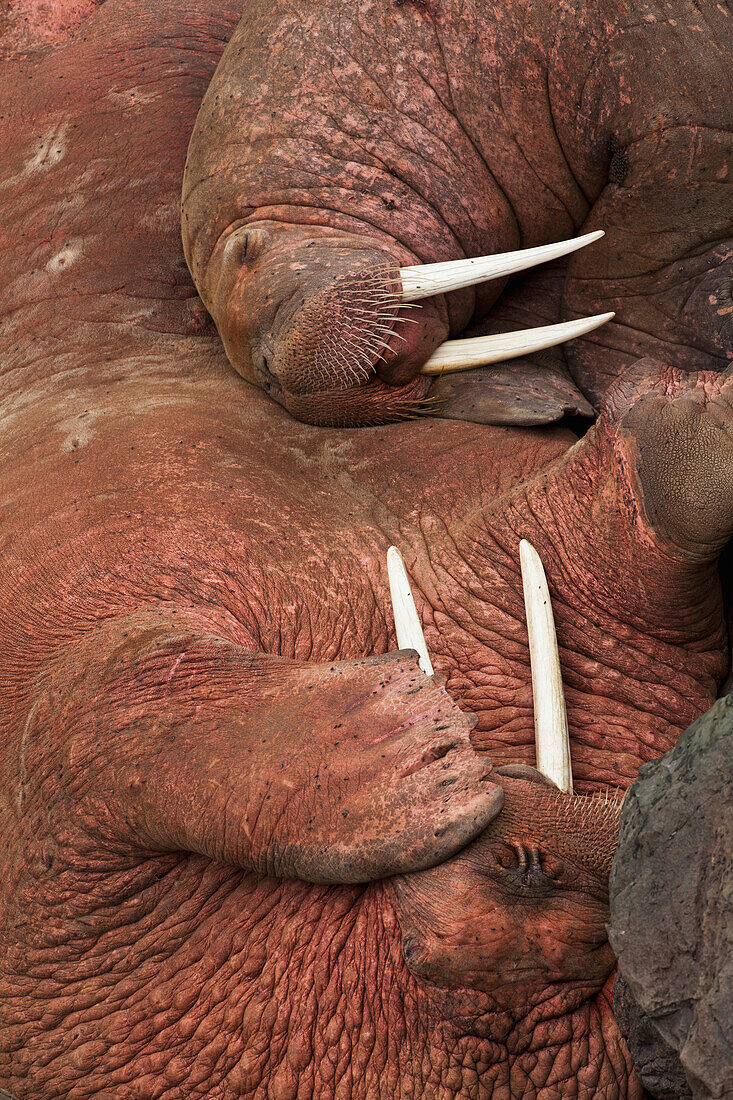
x=335, y=142
x=204, y=892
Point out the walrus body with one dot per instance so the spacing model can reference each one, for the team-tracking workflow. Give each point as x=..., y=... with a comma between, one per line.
x=248, y=849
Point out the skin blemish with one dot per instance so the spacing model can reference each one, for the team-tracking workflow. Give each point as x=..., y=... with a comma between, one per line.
x=132, y=97
x=79, y=430
x=63, y=259
x=48, y=151
x=175, y=665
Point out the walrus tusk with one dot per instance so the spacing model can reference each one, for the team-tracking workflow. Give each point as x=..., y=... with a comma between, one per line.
x=424, y=280
x=552, y=743
x=479, y=351
x=406, y=620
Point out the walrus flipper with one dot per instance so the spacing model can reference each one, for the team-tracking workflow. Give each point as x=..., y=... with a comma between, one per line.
x=338, y=772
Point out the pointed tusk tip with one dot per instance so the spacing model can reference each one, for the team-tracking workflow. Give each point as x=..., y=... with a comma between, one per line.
x=528, y=555
x=480, y=351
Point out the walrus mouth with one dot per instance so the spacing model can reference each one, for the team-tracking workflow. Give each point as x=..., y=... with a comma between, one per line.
x=552, y=740
x=351, y=323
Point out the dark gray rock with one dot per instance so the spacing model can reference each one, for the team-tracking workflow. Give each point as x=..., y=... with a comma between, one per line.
x=672, y=915
x=657, y=1064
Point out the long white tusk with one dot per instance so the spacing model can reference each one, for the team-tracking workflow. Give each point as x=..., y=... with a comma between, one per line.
x=479, y=351
x=406, y=620
x=552, y=743
x=424, y=280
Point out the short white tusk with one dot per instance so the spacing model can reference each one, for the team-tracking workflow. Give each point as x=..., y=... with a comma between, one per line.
x=424, y=280
x=479, y=351
x=552, y=743
x=406, y=621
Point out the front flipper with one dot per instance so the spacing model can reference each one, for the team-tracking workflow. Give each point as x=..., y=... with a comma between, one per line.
x=525, y=392
x=167, y=740
x=677, y=429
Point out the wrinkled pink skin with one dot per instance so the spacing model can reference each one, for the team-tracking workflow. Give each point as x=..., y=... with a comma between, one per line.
x=152, y=499
x=416, y=131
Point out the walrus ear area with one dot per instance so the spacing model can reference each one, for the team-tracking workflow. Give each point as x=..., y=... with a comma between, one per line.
x=678, y=435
